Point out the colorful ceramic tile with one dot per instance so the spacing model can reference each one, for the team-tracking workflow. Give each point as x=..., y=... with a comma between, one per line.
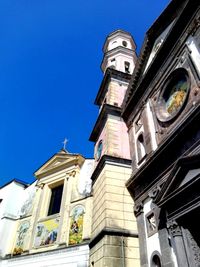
x=21, y=234
x=46, y=232
x=76, y=226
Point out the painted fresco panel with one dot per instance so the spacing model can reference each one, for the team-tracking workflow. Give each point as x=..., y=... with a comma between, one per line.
x=76, y=226
x=21, y=236
x=46, y=232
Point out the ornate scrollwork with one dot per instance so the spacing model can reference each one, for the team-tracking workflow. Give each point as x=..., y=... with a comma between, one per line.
x=138, y=209
x=194, y=246
x=154, y=192
x=72, y=173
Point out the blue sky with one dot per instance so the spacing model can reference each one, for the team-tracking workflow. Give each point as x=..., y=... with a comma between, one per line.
x=50, y=55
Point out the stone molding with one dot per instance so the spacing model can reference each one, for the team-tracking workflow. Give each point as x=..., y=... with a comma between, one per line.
x=111, y=232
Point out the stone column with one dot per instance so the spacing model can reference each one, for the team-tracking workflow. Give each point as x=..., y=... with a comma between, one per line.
x=176, y=233
x=138, y=210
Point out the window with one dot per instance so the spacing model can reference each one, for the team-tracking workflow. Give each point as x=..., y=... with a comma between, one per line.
x=127, y=66
x=99, y=150
x=113, y=63
x=140, y=147
x=55, y=202
x=156, y=261
x=124, y=43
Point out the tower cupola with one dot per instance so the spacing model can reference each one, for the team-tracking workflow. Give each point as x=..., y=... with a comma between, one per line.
x=119, y=52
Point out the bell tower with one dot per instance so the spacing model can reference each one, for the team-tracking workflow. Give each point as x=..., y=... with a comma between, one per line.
x=114, y=232
x=119, y=52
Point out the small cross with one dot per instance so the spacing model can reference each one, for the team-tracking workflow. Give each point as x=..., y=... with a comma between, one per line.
x=64, y=143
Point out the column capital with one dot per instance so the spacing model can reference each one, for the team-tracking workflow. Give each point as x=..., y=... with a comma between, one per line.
x=174, y=228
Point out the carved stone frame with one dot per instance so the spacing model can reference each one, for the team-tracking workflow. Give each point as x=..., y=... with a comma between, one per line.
x=151, y=228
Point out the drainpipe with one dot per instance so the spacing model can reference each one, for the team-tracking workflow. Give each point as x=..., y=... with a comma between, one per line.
x=123, y=251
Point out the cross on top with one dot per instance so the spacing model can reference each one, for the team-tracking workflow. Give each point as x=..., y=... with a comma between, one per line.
x=64, y=143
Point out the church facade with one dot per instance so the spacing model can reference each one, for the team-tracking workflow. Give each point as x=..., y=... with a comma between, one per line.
x=49, y=222
x=162, y=112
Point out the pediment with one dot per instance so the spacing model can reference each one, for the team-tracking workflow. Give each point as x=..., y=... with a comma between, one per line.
x=157, y=45
x=186, y=171
x=59, y=161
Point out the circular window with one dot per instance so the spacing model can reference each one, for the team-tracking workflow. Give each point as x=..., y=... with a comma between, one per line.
x=172, y=98
x=124, y=43
x=99, y=150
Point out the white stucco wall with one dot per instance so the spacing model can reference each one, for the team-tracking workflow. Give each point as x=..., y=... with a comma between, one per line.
x=16, y=201
x=69, y=257
x=11, y=195
x=119, y=62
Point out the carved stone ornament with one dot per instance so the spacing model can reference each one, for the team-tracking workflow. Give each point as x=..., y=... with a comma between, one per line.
x=154, y=192
x=174, y=228
x=138, y=209
x=71, y=174
x=194, y=26
x=41, y=186
x=151, y=223
x=194, y=247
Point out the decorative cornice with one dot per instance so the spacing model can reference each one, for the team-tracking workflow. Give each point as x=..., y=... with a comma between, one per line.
x=106, y=110
x=108, y=159
x=111, y=232
x=139, y=83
